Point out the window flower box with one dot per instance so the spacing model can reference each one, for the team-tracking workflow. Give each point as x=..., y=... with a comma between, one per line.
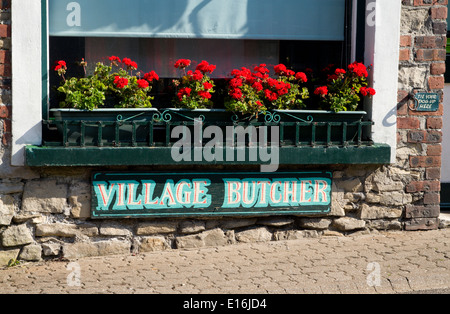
x=152, y=127
x=135, y=134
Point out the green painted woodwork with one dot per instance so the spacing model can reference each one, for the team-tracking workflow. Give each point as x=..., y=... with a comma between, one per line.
x=140, y=156
x=144, y=137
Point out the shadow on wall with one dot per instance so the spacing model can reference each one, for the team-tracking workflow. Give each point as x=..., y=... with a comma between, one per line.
x=6, y=170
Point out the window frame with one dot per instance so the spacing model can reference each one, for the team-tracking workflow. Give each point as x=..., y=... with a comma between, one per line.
x=381, y=33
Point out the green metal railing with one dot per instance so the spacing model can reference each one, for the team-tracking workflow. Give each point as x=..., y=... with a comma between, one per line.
x=144, y=138
x=156, y=131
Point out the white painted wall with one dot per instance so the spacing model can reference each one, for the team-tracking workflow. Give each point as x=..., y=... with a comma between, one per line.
x=382, y=50
x=26, y=77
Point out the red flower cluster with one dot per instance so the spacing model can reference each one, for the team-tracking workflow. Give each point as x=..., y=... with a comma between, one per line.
x=142, y=83
x=257, y=86
x=259, y=80
x=338, y=73
x=205, y=67
x=261, y=69
x=115, y=59
x=367, y=91
x=271, y=96
x=235, y=93
x=130, y=64
x=60, y=65
x=322, y=91
x=120, y=82
x=151, y=76
x=207, y=86
x=281, y=70
x=196, y=75
x=301, y=77
x=359, y=69
x=184, y=92
x=204, y=94
x=195, y=84
x=246, y=74
x=182, y=63
x=241, y=77
x=281, y=88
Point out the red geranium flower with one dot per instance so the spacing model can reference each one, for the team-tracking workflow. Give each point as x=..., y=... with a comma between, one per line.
x=301, y=77
x=207, y=85
x=151, y=76
x=359, y=69
x=182, y=63
x=271, y=96
x=236, y=82
x=258, y=86
x=120, y=82
x=205, y=67
x=262, y=69
x=367, y=91
x=196, y=76
x=114, y=59
x=130, y=64
x=204, y=94
x=184, y=92
x=280, y=69
x=289, y=72
x=332, y=77
x=61, y=64
x=323, y=91
x=236, y=93
x=142, y=83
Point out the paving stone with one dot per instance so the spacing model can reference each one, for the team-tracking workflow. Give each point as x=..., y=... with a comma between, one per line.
x=408, y=262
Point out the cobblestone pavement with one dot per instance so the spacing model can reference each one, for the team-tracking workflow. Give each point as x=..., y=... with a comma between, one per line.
x=393, y=262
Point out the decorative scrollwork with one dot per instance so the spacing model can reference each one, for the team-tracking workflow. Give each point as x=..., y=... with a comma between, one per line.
x=272, y=117
x=234, y=118
x=165, y=116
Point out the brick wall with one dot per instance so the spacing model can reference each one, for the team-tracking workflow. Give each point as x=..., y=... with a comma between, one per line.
x=422, y=67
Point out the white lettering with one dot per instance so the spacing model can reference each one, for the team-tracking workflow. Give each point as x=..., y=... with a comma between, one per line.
x=371, y=17
x=74, y=17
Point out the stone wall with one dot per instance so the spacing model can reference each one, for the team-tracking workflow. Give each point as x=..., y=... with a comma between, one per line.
x=44, y=213
x=49, y=216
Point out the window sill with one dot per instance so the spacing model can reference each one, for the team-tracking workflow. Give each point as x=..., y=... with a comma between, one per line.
x=40, y=156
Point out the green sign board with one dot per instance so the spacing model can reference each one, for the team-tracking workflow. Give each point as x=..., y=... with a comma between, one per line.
x=137, y=195
x=426, y=102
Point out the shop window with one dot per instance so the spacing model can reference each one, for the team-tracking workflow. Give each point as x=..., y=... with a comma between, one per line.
x=229, y=34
